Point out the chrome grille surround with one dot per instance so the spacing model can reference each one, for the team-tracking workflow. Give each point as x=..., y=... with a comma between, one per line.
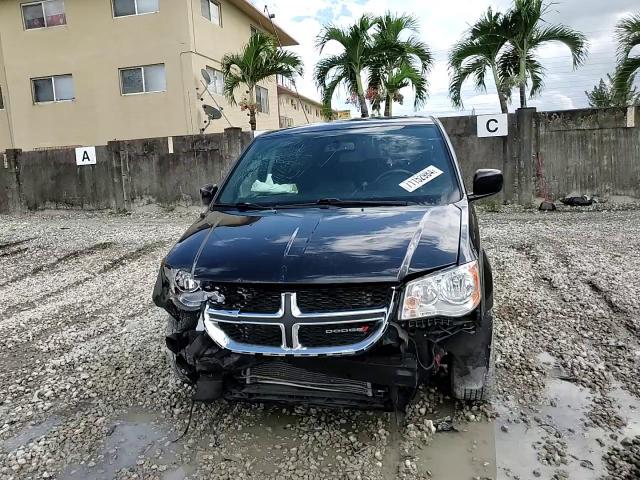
x=290, y=318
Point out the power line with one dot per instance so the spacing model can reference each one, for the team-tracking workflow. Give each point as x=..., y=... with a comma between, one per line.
x=302, y=107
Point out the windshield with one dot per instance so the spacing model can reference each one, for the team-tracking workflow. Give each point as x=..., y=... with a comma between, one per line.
x=383, y=163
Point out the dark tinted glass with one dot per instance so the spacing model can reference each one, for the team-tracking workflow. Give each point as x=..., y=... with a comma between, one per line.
x=43, y=90
x=124, y=7
x=392, y=162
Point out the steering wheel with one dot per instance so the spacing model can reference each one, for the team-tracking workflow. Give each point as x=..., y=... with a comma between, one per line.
x=394, y=172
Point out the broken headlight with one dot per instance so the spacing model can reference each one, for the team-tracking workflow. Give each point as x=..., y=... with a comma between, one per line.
x=186, y=291
x=453, y=293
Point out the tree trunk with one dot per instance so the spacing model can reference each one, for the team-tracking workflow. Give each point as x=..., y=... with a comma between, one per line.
x=523, y=79
x=252, y=107
x=252, y=117
x=500, y=89
x=503, y=102
x=364, y=109
x=388, y=105
x=523, y=95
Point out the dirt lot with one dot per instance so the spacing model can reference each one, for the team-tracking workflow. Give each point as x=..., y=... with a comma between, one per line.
x=85, y=392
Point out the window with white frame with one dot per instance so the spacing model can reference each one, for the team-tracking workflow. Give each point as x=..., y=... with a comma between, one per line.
x=212, y=11
x=262, y=99
x=217, y=81
x=144, y=79
x=57, y=88
x=126, y=8
x=48, y=13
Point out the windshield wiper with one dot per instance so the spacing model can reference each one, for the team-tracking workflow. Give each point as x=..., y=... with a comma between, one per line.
x=242, y=206
x=346, y=203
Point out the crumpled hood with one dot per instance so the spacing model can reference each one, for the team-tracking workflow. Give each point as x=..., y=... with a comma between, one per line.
x=319, y=245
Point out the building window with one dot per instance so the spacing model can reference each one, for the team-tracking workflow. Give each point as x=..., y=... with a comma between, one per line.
x=146, y=79
x=211, y=11
x=262, y=99
x=217, y=81
x=1, y=100
x=254, y=30
x=49, y=13
x=125, y=8
x=286, y=122
x=58, y=88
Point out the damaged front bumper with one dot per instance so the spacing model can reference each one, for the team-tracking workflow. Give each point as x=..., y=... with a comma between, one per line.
x=384, y=377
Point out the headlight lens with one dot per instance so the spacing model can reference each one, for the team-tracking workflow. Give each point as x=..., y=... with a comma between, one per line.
x=185, y=282
x=452, y=293
x=185, y=290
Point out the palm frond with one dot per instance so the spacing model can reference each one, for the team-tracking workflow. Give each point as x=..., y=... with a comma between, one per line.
x=260, y=59
x=625, y=75
x=574, y=40
x=628, y=35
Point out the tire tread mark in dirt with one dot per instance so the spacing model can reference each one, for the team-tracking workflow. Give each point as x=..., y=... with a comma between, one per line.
x=60, y=260
x=4, y=246
x=17, y=251
x=614, y=307
x=111, y=265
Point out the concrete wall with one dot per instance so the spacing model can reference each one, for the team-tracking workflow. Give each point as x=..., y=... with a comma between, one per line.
x=126, y=173
x=554, y=154
x=474, y=153
x=592, y=152
x=546, y=154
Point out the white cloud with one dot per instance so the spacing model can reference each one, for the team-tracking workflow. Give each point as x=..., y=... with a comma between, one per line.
x=442, y=26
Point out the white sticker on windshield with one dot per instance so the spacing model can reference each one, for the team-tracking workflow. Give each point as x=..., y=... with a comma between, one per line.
x=421, y=178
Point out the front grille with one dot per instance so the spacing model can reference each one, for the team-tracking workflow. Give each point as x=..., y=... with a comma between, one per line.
x=311, y=299
x=254, y=334
x=343, y=297
x=245, y=298
x=336, y=334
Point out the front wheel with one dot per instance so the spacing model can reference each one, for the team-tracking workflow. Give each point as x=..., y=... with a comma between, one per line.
x=472, y=374
x=176, y=326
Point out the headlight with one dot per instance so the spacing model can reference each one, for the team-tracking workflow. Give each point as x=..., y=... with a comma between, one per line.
x=185, y=282
x=451, y=293
x=185, y=290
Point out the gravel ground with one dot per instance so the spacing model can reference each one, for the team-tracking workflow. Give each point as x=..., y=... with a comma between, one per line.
x=85, y=392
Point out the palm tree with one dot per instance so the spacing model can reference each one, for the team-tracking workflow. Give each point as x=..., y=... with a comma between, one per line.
x=478, y=52
x=401, y=76
x=605, y=95
x=628, y=33
x=346, y=67
x=526, y=32
x=397, y=62
x=259, y=60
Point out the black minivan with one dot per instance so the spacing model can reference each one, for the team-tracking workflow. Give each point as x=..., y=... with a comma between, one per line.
x=338, y=264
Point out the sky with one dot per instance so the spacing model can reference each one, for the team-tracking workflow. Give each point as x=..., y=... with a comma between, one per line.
x=442, y=24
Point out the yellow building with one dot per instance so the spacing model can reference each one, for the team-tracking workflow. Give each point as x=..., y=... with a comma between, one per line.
x=295, y=109
x=83, y=72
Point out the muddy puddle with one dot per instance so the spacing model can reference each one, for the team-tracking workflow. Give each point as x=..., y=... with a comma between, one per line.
x=29, y=434
x=561, y=420
x=133, y=440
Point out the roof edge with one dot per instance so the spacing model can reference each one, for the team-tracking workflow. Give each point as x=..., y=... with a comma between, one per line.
x=264, y=22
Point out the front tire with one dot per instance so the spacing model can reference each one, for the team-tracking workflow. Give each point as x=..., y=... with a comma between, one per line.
x=473, y=375
x=183, y=375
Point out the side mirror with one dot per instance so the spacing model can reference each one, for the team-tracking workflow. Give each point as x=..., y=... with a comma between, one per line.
x=207, y=193
x=486, y=182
